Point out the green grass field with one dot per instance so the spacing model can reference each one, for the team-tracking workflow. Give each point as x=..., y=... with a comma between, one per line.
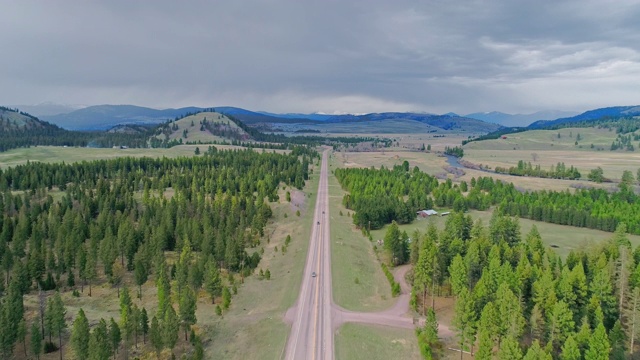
x=564, y=237
x=544, y=148
x=52, y=154
x=358, y=281
x=356, y=341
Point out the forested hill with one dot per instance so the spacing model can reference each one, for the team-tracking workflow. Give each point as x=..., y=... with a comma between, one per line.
x=19, y=129
x=622, y=121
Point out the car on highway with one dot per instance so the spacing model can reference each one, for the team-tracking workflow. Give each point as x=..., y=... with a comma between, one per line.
x=318, y=222
x=313, y=274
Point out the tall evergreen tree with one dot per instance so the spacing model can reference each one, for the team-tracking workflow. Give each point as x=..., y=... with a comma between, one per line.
x=170, y=328
x=509, y=349
x=155, y=334
x=35, y=339
x=115, y=335
x=144, y=324
x=187, y=310
x=80, y=336
x=599, y=347
x=570, y=350
x=464, y=319
x=100, y=342
x=58, y=313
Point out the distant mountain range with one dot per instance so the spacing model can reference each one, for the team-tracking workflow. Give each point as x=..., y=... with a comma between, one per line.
x=519, y=119
x=614, y=112
x=104, y=117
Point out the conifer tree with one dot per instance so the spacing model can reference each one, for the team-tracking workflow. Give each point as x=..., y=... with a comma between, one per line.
x=99, y=342
x=187, y=310
x=144, y=324
x=80, y=336
x=141, y=271
x=458, y=275
x=58, y=313
x=560, y=323
x=485, y=344
x=155, y=334
x=509, y=349
x=89, y=271
x=464, y=319
x=170, y=328
x=35, y=339
x=535, y=352
x=599, y=347
x=164, y=290
x=115, y=335
x=570, y=350
x=213, y=282
x=632, y=313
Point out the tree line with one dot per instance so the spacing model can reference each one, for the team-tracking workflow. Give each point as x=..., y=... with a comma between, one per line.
x=379, y=196
x=560, y=171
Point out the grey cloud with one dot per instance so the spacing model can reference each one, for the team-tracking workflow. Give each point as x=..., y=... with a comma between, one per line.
x=350, y=56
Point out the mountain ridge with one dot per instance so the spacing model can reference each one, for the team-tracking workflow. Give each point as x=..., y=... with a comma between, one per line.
x=104, y=117
x=506, y=119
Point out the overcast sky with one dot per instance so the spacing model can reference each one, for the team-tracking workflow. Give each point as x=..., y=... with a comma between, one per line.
x=323, y=56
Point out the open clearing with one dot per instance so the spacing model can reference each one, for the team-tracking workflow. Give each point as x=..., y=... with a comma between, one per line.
x=356, y=341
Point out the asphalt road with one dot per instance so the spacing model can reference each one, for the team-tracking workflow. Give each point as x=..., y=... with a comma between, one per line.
x=311, y=334
x=314, y=318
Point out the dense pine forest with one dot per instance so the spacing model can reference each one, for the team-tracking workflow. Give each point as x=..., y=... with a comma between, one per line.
x=378, y=197
x=111, y=217
x=517, y=299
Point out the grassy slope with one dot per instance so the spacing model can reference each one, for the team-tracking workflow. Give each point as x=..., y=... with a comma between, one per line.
x=194, y=132
x=550, y=150
x=15, y=117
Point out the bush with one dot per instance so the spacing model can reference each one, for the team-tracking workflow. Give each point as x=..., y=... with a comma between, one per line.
x=50, y=347
x=395, y=287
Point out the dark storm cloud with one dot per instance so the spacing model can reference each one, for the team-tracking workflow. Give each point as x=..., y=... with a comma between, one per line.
x=329, y=56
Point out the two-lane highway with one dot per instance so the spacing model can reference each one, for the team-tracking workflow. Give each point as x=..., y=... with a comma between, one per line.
x=311, y=335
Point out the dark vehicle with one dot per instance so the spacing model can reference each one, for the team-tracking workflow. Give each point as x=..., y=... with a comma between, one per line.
x=313, y=274
x=318, y=222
